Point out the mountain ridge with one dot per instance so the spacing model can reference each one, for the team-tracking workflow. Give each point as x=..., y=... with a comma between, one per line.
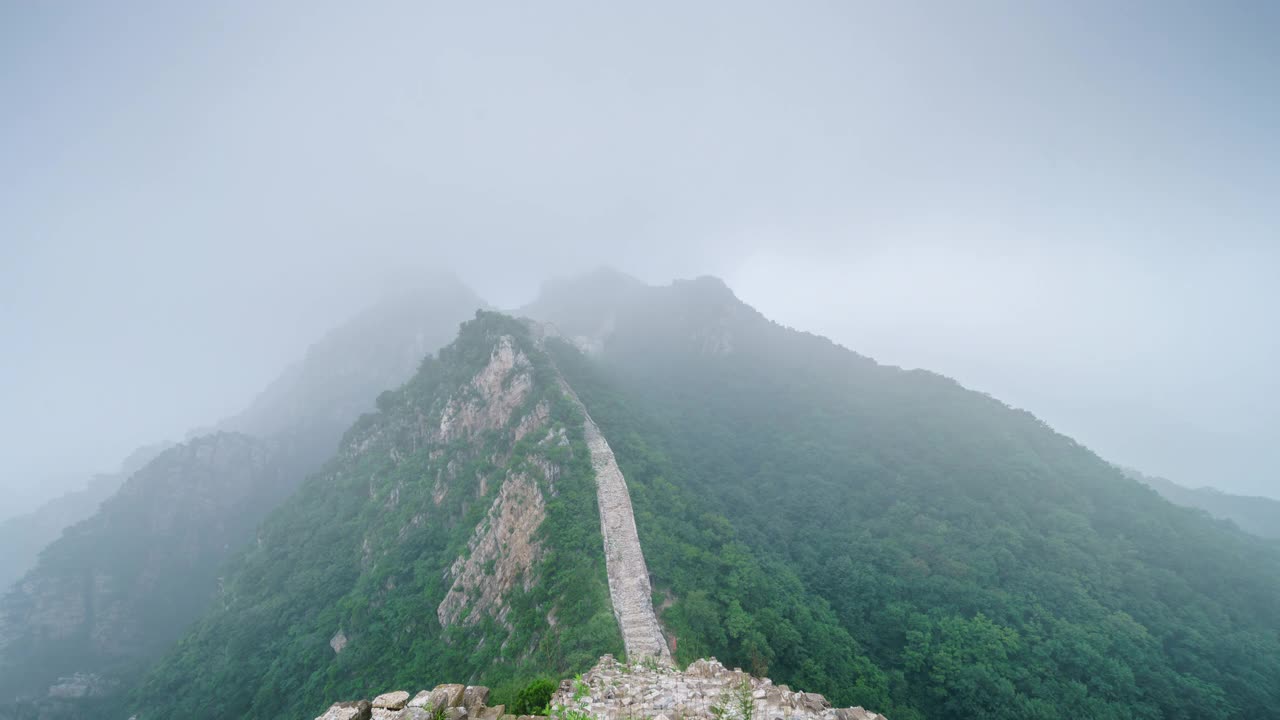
x=1254, y=514
x=885, y=537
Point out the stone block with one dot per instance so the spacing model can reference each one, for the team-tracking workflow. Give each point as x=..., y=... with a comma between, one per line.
x=475, y=697
x=391, y=701
x=359, y=710
x=449, y=695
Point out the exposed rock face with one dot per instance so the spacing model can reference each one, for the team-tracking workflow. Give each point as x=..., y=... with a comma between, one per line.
x=503, y=551
x=501, y=555
x=498, y=391
x=338, y=641
x=629, y=587
x=620, y=692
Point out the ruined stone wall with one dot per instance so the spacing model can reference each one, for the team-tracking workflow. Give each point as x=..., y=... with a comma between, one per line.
x=629, y=588
x=644, y=690
x=445, y=702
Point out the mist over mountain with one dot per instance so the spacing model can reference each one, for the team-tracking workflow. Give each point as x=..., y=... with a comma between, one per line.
x=1258, y=515
x=127, y=578
x=1070, y=208
x=844, y=526
x=731, y=360
x=23, y=537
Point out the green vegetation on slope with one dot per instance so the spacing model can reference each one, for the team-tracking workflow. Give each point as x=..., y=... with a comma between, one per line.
x=893, y=540
x=364, y=547
x=117, y=589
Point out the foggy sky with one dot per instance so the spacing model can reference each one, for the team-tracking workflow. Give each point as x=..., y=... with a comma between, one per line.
x=1071, y=206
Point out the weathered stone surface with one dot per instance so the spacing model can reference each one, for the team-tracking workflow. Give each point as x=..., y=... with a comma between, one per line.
x=488, y=713
x=455, y=713
x=647, y=690
x=415, y=713
x=500, y=388
x=500, y=556
x=475, y=697
x=421, y=699
x=359, y=710
x=629, y=588
x=338, y=641
x=449, y=695
x=392, y=701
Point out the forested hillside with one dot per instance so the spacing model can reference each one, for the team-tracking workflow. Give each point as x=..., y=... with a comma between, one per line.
x=896, y=541
x=883, y=536
x=456, y=535
x=118, y=588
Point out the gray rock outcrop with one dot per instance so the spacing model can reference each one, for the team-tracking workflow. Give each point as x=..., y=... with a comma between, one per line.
x=450, y=701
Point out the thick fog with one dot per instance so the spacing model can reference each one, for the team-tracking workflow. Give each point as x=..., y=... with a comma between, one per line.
x=1071, y=206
